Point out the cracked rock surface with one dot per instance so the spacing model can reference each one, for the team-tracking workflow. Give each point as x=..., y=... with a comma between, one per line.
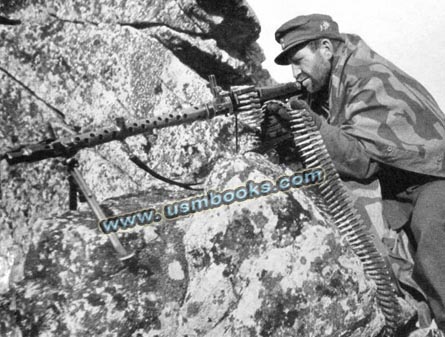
x=80, y=66
x=264, y=267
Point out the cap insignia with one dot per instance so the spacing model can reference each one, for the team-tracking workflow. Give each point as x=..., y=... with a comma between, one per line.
x=324, y=26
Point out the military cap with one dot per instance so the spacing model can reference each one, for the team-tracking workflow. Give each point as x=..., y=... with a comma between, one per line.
x=302, y=29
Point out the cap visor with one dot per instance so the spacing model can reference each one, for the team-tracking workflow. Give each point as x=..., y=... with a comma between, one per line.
x=283, y=58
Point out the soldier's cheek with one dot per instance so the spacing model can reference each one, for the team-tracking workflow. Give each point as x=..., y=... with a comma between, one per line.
x=310, y=85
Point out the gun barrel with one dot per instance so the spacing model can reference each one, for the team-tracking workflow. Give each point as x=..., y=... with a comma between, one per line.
x=68, y=146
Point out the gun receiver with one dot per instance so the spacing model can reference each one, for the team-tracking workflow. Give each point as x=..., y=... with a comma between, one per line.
x=225, y=102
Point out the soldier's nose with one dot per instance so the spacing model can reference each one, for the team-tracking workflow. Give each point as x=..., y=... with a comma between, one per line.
x=296, y=70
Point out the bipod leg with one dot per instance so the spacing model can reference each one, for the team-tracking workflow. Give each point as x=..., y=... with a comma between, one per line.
x=72, y=193
x=82, y=188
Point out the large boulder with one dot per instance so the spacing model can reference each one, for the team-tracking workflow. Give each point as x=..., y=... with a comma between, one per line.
x=267, y=266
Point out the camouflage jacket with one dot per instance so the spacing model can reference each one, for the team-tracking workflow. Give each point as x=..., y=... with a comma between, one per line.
x=379, y=114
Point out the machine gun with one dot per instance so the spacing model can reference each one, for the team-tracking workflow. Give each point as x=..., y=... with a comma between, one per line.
x=224, y=103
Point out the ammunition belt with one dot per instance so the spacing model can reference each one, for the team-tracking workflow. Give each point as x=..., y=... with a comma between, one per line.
x=338, y=205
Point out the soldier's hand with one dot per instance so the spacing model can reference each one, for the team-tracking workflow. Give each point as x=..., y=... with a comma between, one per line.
x=278, y=109
x=277, y=120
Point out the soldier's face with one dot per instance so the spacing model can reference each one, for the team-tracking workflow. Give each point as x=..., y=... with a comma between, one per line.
x=312, y=68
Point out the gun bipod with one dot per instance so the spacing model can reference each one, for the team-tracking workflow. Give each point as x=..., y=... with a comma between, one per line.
x=81, y=189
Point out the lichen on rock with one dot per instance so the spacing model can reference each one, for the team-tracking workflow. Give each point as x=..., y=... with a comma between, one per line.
x=269, y=266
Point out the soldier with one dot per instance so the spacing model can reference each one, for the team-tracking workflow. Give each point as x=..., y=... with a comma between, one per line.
x=380, y=123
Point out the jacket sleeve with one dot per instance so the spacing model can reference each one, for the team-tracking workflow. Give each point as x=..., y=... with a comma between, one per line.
x=358, y=140
x=347, y=153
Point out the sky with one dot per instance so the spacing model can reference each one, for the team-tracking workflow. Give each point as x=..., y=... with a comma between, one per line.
x=409, y=33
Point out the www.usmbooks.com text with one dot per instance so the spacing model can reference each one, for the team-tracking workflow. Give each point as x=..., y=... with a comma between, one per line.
x=212, y=199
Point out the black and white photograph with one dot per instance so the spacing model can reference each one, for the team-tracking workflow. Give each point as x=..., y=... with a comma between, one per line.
x=232, y=168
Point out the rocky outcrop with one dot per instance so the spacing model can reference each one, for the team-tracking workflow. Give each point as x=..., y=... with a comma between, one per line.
x=80, y=66
x=268, y=266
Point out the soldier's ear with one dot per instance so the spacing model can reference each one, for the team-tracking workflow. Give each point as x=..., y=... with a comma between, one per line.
x=327, y=49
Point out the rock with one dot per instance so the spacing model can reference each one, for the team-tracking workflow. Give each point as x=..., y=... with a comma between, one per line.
x=81, y=66
x=267, y=266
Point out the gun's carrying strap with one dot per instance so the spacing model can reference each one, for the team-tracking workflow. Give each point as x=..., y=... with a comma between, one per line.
x=139, y=163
